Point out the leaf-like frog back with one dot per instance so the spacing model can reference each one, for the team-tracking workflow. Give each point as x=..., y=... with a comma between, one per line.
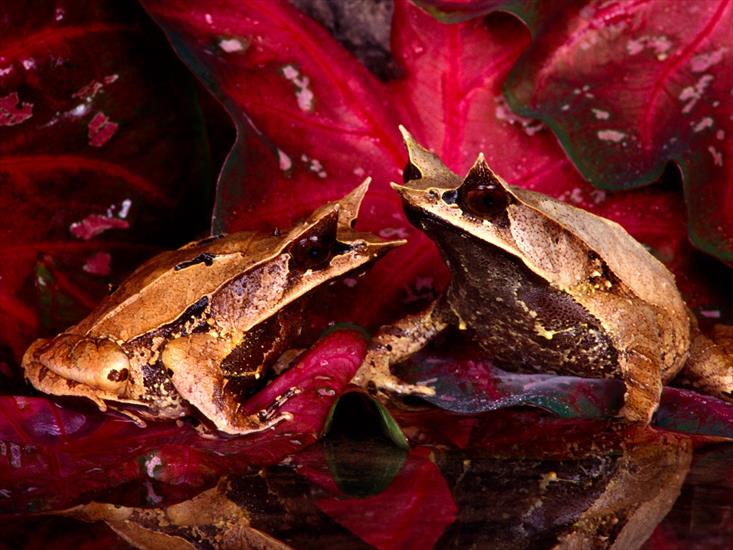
x=167, y=284
x=641, y=272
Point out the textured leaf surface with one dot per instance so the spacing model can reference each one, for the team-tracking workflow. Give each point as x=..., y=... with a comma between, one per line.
x=470, y=386
x=100, y=143
x=65, y=454
x=628, y=86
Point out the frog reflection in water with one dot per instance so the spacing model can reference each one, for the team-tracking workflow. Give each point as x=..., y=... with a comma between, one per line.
x=542, y=285
x=194, y=329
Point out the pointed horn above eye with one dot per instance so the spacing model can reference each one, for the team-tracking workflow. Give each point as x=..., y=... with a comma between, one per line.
x=350, y=204
x=482, y=174
x=483, y=193
x=423, y=163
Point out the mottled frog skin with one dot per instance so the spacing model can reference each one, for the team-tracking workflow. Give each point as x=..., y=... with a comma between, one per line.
x=193, y=330
x=543, y=286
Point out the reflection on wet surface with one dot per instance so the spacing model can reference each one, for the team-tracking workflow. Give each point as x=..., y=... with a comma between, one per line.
x=515, y=478
x=612, y=491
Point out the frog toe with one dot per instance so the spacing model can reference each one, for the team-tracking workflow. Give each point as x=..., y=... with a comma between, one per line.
x=643, y=383
x=709, y=367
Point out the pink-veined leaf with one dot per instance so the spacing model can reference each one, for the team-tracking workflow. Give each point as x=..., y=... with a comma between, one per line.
x=627, y=87
x=668, y=100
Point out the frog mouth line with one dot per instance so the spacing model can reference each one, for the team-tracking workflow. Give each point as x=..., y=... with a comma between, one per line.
x=81, y=396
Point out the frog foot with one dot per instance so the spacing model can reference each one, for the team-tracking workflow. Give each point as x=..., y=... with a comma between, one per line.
x=375, y=375
x=397, y=342
x=709, y=367
x=640, y=373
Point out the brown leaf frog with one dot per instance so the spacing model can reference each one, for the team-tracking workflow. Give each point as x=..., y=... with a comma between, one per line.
x=543, y=285
x=193, y=329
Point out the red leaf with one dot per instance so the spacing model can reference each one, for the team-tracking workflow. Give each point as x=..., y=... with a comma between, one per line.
x=627, y=87
x=412, y=512
x=313, y=385
x=668, y=99
x=99, y=132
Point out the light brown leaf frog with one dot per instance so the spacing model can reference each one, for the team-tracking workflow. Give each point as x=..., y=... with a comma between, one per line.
x=194, y=329
x=543, y=285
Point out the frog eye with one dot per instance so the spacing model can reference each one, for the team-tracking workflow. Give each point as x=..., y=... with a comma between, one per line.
x=411, y=172
x=481, y=193
x=316, y=247
x=485, y=200
x=313, y=252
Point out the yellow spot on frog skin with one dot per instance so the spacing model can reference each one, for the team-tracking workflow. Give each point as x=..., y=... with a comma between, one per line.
x=548, y=478
x=542, y=331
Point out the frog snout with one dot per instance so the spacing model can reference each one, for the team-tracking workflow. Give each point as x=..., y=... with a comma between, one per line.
x=96, y=362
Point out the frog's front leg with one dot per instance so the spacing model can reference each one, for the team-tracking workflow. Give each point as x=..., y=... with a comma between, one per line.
x=395, y=343
x=194, y=364
x=641, y=373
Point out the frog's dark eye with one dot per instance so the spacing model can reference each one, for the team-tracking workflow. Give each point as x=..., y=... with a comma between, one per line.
x=312, y=252
x=486, y=200
x=411, y=172
x=316, y=247
x=481, y=193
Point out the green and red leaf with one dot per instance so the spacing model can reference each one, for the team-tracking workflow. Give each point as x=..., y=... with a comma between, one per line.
x=627, y=87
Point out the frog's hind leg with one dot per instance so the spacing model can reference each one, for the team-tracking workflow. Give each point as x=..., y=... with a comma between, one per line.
x=709, y=367
x=643, y=384
x=195, y=363
x=395, y=343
